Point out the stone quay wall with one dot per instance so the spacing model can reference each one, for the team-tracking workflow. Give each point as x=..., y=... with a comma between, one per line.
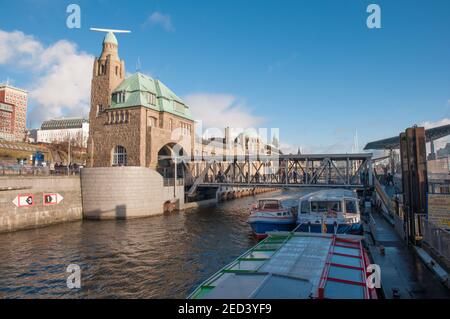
x=33, y=211
x=126, y=192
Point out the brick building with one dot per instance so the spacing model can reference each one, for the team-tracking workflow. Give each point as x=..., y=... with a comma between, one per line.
x=13, y=113
x=136, y=119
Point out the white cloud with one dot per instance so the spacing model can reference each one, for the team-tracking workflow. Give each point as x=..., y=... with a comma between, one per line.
x=431, y=124
x=61, y=75
x=442, y=141
x=164, y=20
x=18, y=48
x=221, y=110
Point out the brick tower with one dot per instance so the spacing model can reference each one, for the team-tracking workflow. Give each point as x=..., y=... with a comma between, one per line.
x=108, y=73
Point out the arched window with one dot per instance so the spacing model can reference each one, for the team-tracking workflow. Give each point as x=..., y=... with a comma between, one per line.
x=119, y=156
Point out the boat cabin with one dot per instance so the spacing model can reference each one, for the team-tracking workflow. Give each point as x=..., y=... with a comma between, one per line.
x=269, y=204
x=330, y=202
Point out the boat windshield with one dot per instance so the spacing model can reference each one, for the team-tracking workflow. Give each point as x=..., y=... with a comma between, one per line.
x=350, y=207
x=305, y=207
x=325, y=206
x=269, y=204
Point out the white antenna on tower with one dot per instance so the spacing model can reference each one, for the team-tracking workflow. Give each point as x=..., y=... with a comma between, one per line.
x=110, y=30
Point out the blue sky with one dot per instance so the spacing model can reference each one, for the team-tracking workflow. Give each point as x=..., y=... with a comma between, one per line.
x=311, y=68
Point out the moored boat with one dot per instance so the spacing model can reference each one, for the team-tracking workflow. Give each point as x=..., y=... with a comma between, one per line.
x=295, y=265
x=270, y=215
x=330, y=211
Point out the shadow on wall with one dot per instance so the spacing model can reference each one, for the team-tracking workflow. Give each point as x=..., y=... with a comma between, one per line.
x=121, y=211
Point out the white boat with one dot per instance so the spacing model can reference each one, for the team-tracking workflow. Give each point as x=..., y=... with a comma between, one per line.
x=329, y=211
x=270, y=215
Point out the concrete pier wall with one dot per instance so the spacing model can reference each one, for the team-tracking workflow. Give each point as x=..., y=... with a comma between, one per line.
x=36, y=215
x=126, y=192
x=225, y=193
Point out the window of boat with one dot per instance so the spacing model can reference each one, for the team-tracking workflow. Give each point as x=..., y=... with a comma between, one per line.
x=350, y=207
x=270, y=204
x=305, y=207
x=323, y=207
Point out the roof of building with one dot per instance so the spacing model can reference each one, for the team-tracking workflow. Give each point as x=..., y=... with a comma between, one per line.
x=7, y=86
x=394, y=142
x=110, y=38
x=63, y=123
x=138, y=86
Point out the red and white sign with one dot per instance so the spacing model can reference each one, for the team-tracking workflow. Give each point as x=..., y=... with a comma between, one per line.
x=51, y=199
x=24, y=200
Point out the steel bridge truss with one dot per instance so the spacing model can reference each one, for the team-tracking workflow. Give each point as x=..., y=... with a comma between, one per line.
x=321, y=170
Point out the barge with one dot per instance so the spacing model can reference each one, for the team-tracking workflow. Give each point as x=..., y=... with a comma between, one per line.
x=294, y=265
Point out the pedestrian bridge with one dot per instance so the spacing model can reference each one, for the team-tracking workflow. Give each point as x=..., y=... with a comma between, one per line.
x=307, y=170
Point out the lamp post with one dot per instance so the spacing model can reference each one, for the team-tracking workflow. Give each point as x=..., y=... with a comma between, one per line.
x=175, y=177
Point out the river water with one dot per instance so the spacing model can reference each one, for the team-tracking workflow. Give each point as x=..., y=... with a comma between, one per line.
x=157, y=257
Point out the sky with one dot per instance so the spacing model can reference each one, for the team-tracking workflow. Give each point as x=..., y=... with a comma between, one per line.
x=312, y=69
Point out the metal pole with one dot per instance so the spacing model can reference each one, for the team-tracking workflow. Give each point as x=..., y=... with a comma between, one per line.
x=175, y=177
x=348, y=171
x=68, y=159
x=286, y=172
x=307, y=171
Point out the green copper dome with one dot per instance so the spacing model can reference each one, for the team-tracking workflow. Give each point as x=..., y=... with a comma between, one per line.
x=110, y=38
x=137, y=88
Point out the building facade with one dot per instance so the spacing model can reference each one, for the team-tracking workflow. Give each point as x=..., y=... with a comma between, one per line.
x=75, y=130
x=13, y=113
x=134, y=121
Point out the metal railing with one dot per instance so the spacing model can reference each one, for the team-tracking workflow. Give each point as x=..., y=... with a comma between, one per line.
x=437, y=238
x=26, y=170
x=171, y=182
x=373, y=226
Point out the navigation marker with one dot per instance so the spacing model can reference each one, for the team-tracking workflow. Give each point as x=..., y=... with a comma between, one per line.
x=51, y=199
x=24, y=200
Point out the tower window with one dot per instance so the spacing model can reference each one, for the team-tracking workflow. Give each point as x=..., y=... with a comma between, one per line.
x=117, y=70
x=119, y=156
x=119, y=97
x=151, y=98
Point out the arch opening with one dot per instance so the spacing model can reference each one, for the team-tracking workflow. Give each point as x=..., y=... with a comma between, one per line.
x=166, y=161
